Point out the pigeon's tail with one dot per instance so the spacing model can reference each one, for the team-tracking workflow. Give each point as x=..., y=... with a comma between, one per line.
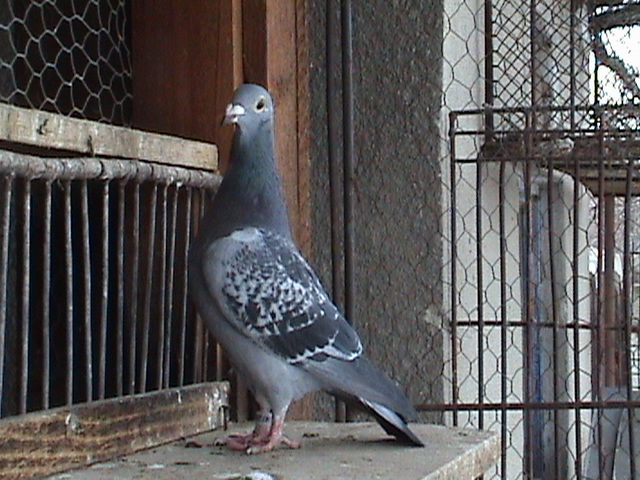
x=392, y=423
x=360, y=383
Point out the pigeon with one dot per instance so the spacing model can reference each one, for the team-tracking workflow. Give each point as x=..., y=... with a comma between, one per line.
x=264, y=304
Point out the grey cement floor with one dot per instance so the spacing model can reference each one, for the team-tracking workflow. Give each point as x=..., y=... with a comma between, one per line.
x=356, y=451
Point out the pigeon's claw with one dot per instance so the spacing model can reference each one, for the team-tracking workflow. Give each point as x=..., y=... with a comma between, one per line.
x=273, y=440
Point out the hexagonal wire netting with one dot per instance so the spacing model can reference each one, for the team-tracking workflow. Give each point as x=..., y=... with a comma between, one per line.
x=541, y=137
x=70, y=57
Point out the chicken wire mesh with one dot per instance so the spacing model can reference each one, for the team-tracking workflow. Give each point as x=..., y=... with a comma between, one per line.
x=67, y=56
x=541, y=137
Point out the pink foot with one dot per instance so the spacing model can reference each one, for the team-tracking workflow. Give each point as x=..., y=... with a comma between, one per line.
x=272, y=441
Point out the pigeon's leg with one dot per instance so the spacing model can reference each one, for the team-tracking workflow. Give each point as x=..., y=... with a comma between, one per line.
x=275, y=437
x=260, y=433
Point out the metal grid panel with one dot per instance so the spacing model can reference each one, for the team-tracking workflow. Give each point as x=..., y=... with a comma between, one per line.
x=93, y=280
x=67, y=56
x=541, y=229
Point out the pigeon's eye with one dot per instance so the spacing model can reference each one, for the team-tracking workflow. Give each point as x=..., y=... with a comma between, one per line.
x=260, y=106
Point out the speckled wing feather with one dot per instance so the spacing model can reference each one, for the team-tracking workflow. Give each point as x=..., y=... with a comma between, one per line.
x=266, y=289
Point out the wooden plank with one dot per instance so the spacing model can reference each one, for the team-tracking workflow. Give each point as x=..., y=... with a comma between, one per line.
x=47, y=442
x=52, y=131
x=174, y=60
x=275, y=52
x=229, y=71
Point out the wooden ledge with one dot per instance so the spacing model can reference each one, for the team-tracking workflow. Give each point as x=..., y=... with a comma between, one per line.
x=52, y=131
x=42, y=443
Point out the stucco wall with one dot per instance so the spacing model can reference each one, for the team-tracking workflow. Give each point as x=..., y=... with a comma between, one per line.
x=397, y=49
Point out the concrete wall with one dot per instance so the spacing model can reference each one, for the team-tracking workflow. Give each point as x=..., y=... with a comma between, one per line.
x=397, y=86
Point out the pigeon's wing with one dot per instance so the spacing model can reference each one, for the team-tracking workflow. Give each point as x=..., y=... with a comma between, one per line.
x=265, y=289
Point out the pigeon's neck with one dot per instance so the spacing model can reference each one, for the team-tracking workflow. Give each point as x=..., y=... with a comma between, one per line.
x=251, y=193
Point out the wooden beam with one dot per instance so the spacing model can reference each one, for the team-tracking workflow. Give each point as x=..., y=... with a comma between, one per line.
x=275, y=54
x=52, y=131
x=52, y=441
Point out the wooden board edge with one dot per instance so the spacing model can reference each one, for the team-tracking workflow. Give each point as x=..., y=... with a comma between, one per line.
x=52, y=131
x=52, y=441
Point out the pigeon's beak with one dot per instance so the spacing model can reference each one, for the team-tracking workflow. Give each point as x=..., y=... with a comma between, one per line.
x=232, y=114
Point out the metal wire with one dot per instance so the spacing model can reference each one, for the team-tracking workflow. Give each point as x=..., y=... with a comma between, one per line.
x=67, y=57
x=99, y=225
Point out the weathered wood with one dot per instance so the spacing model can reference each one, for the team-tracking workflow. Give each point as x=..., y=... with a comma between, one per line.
x=52, y=131
x=47, y=442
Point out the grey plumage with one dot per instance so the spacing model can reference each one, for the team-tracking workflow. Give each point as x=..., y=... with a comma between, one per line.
x=263, y=302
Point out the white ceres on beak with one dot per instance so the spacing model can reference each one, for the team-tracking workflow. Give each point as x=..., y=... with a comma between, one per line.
x=232, y=113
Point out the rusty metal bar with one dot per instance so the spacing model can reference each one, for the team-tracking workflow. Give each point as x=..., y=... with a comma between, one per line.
x=170, y=297
x=160, y=319
x=46, y=292
x=135, y=272
x=104, y=292
x=528, y=297
x=120, y=282
x=575, y=267
x=553, y=241
x=183, y=293
x=480, y=296
x=599, y=371
x=503, y=318
x=148, y=288
x=5, y=224
x=31, y=167
x=627, y=314
x=453, y=272
x=529, y=406
x=87, y=286
x=488, y=68
x=66, y=184
x=25, y=220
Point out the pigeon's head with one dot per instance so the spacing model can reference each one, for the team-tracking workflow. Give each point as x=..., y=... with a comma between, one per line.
x=251, y=107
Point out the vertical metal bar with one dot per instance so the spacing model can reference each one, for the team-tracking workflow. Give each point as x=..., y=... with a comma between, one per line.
x=160, y=319
x=169, y=295
x=46, y=292
x=183, y=294
x=454, y=259
x=349, y=158
x=24, y=301
x=148, y=289
x=575, y=266
x=86, y=270
x=199, y=350
x=503, y=320
x=480, y=295
x=104, y=293
x=573, y=22
x=133, y=305
x=68, y=252
x=554, y=312
x=334, y=171
x=120, y=289
x=488, y=68
x=627, y=316
x=600, y=370
x=5, y=223
x=527, y=294
x=348, y=163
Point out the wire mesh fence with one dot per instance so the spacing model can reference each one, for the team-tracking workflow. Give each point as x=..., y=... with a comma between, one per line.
x=541, y=228
x=69, y=57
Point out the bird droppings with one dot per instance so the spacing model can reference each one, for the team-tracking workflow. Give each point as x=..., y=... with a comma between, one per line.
x=192, y=444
